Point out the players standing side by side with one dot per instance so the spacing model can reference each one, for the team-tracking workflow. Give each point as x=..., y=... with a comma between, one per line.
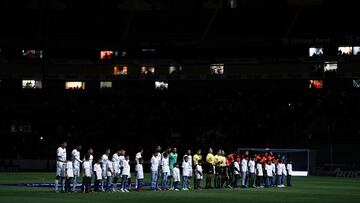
x=261, y=170
x=60, y=167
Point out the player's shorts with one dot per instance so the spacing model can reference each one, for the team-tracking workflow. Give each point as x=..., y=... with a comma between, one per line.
x=171, y=171
x=190, y=173
x=218, y=170
x=104, y=174
x=224, y=171
x=76, y=171
x=60, y=169
x=210, y=169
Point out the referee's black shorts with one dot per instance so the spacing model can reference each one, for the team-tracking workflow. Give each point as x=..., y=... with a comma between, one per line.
x=218, y=170
x=209, y=168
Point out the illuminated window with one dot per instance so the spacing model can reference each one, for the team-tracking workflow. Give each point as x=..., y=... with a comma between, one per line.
x=161, y=85
x=346, y=50
x=330, y=66
x=31, y=84
x=147, y=70
x=105, y=84
x=75, y=85
x=175, y=69
x=356, y=51
x=105, y=55
x=356, y=83
x=316, y=51
x=316, y=84
x=217, y=69
x=32, y=54
x=120, y=70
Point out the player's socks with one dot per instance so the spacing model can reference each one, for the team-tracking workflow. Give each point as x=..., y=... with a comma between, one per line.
x=74, y=183
x=56, y=185
x=102, y=185
x=62, y=184
x=129, y=184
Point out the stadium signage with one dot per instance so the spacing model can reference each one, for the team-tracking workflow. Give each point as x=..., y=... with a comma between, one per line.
x=299, y=41
x=346, y=173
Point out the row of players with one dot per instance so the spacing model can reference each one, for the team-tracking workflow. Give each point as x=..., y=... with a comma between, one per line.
x=258, y=171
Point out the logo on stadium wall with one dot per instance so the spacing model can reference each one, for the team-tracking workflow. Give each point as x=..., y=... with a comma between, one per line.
x=346, y=173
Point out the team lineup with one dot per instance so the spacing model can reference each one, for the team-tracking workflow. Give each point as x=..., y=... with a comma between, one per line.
x=168, y=172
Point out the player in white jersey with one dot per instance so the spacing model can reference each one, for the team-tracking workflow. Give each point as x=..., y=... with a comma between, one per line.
x=259, y=174
x=281, y=171
x=190, y=169
x=198, y=176
x=104, y=160
x=116, y=166
x=186, y=172
x=269, y=173
x=155, y=163
x=138, y=156
x=273, y=167
x=86, y=184
x=91, y=157
x=165, y=168
x=110, y=174
x=252, y=166
x=98, y=175
x=176, y=176
x=60, y=166
x=76, y=164
x=69, y=175
x=125, y=173
x=139, y=175
x=244, y=171
x=237, y=171
x=289, y=173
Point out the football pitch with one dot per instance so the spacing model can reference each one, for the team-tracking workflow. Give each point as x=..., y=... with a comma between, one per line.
x=305, y=189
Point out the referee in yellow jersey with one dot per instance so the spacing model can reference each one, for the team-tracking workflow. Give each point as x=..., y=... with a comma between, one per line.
x=210, y=168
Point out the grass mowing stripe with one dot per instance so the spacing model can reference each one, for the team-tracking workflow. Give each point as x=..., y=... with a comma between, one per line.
x=306, y=189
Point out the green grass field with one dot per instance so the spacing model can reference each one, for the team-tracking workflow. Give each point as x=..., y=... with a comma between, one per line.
x=306, y=189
